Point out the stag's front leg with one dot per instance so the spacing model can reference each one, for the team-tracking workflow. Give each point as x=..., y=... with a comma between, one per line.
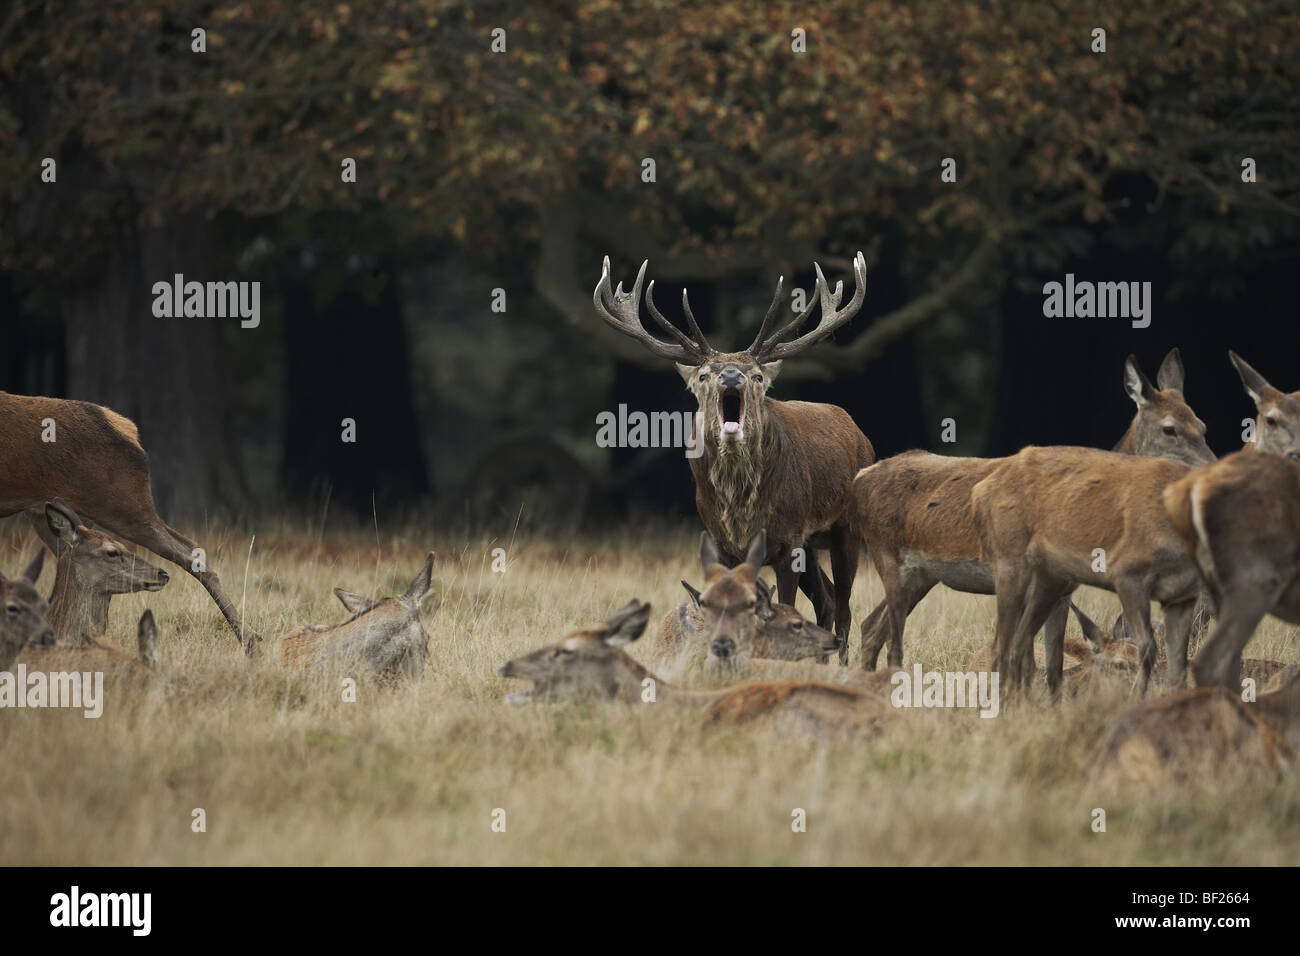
x=844, y=566
x=1054, y=645
x=814, y=583
x=1136, y=601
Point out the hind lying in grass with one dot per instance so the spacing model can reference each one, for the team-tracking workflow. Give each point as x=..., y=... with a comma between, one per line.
x=591, y=662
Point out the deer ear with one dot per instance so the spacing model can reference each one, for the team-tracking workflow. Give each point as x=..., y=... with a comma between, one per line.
x=33, y=569
x=1254, y=383
x=757, y=551
x=708, y=552
x=771, y=370
x=1137, y=385
x=353, y=602
x=147, y=638
x=420, y=585
x=763, y=604
x=63, y=521
x=687, y=372
x=626, y=624
x=695, y=595
x=1170, y=374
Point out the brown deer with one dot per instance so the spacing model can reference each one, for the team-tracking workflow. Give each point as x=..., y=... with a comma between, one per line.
x=98, y=466
x=780, y=630
x=591, y=662
x=92, y=568
x=24, y=614
x=913, y=509
x=384, y=638
x=1239, y=520
x=1050, y=519
x=98, y=655
x=786, y=467
x=1162, y=741
x=1277, y=420
x=1097, y=652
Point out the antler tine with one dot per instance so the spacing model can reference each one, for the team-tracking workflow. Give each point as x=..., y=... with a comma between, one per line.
x=772, y=310
x=664, y=324
x=694, y=326
x=832, y=316
x=622, y=311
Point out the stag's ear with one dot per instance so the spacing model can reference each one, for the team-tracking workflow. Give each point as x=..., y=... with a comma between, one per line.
x=353, y=602
x=63, y=521
x=1137, y=385
x=763, y=604
x=33, y=569
x=687, y=372
x=1171, y=371
x=1255, y=384
x=771, y=370
x=420, y=585
x=757, y=551
x=1094, y=635
x=147, y=639
x=695, y=595
x=626, y=624
x=708, y=552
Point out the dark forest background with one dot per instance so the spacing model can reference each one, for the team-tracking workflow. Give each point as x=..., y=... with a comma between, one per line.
x=518, y=170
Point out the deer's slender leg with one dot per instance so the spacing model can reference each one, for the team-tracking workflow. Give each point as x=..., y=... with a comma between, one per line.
x=175, y=547
x=1009, y=590
x=1178, y=626
x=817, y=587
x=1240, y=611
x=1054, y=644
x=1042, y=597
x=1136, y=601
x=844, y=566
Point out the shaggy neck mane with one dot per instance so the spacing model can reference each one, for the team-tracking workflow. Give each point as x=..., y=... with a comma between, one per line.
x=736, y=472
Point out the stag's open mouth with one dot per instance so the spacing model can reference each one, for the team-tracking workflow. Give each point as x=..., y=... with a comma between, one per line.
x=731, y=411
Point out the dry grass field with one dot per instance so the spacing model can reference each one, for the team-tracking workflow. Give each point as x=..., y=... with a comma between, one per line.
x=289, y=773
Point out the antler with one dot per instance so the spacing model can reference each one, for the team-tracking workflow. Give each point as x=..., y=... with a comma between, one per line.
x=622, y=310
x=766, y=348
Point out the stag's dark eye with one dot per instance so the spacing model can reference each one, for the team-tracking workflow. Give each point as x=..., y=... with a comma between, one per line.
x=112, y=552
x=704, y=376
x=1270, y=421
x=1170, y=430
x=797, y=625
x=12, y=608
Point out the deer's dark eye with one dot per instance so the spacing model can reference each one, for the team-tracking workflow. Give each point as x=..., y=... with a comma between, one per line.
x=797, y=625
x=1270, y=421
x=112, y=552
x=12, y=608
x=704, y=376
x=1170, y=430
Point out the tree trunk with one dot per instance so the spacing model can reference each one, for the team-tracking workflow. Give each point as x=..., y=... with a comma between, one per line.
x=170, y=375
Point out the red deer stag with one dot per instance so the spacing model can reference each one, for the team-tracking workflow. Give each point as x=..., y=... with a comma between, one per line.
x=913, y=511
x=1240, y=521
x=786, y=467
x=98, y=466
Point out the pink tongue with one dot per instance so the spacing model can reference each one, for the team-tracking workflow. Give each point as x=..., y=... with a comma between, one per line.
x=730, y=428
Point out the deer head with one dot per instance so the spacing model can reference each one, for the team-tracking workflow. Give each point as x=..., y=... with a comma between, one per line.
x=588, y=662
x=98, y=564
x=1165, y=425
x=1277, y=422
x=386, y=634
x=23, y=614
x=729, y=387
